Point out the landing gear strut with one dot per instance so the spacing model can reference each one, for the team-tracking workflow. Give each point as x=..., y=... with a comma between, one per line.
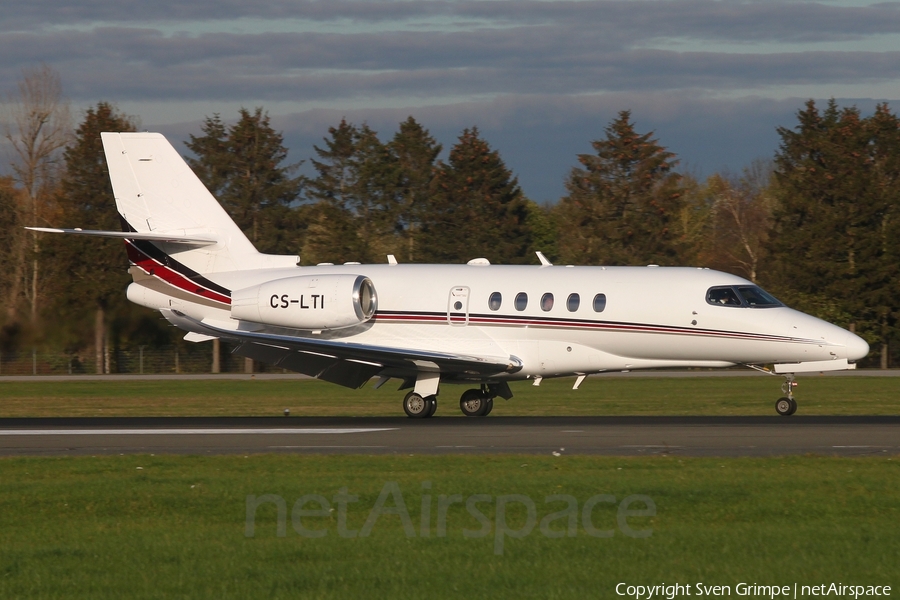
x=787, y=406
x=418, y=407
x=476, y=403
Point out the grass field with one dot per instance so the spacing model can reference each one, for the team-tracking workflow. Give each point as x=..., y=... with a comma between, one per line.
x=598, y=396
x=163, y=527
x=170, y=526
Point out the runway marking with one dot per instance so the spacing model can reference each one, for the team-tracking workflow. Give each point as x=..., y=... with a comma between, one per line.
x=308, y=447
x=862, y=446
x=649, y=446
x=207, y=431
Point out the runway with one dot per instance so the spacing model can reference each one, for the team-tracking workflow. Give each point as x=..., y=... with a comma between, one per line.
x=688, y=436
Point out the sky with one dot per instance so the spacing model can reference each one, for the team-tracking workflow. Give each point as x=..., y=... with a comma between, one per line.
x=713, y=79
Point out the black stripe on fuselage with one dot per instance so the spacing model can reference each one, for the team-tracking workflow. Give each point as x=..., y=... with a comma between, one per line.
x=150, y=249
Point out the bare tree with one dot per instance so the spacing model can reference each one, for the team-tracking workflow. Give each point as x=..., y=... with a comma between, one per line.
x=742, y=217
x=38, y=126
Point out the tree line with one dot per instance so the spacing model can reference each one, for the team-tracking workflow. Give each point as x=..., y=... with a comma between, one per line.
x=817, y=224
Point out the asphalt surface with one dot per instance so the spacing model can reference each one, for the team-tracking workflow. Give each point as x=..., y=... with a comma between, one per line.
x=688, y=436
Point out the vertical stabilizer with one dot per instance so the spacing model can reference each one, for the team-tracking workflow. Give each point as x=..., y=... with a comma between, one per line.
x=157, y=192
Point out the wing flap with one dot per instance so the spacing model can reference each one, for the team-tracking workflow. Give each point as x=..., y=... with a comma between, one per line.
x=345, y=363
x=349, y=374
x=308, y=363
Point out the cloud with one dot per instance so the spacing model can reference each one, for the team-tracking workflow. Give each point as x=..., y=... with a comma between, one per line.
x=140, y=63
x=538, y=77
x=540, y=136
x=705, y=19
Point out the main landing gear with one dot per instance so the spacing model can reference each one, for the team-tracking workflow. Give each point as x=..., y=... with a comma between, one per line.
x=418, y=407
x=473, y=403
x=477, y=403
x=787, y=406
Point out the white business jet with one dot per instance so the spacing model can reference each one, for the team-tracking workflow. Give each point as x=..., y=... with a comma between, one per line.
x=429, y=325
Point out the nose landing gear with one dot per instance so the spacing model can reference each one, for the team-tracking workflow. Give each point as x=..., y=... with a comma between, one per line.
x=786, y=406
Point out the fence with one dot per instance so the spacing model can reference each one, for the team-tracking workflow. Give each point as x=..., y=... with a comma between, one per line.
x=140, y=360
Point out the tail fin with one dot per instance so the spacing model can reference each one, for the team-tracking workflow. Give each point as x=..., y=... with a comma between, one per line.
x=157, y=193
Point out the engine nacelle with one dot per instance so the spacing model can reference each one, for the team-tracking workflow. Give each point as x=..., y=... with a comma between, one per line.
x=308, y=302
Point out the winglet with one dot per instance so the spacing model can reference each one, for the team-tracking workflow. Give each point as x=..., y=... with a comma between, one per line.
x=392, y=260
x=543, y=259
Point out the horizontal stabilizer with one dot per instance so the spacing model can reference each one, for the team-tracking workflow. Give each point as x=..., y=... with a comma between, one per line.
x=168, y=238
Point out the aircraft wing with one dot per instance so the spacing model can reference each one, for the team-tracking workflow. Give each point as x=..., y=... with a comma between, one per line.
x=346, y=363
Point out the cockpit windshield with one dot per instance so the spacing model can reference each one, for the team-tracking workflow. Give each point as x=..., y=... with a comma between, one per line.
x=757, y=297
x=742, y=295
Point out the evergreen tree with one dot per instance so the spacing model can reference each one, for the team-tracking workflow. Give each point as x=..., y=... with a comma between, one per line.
x=94, y=271
x=375, y=201
x=834, y=245
x=884, y=282
x=212, y=162
x=335, y=181
x=415, y=152
x=243, y=166
x=362, y=195
x=332, y=234
x=477, y=209
x=544, y=229
x=12, y=203
x=623, y=203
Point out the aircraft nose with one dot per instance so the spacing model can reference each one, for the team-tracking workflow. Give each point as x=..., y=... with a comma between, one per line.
x=857, y=347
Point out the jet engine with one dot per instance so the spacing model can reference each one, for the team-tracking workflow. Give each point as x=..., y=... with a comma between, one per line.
x=308, y=302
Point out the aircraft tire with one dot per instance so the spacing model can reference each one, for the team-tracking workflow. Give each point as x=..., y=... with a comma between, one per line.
x=488, y=407
x=473, y=403
x=415, y=406
x=785, y=406
x=432, y=406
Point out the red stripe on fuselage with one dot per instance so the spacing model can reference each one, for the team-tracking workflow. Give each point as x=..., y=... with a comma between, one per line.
x=595, y=325
x=154, y=268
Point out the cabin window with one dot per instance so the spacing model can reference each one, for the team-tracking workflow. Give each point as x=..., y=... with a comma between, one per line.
x=599, y=302
x=756, y=297
x=495, y=301
x=547, y=302
x=521, y=301
x=723, y=296
x=573, y=302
